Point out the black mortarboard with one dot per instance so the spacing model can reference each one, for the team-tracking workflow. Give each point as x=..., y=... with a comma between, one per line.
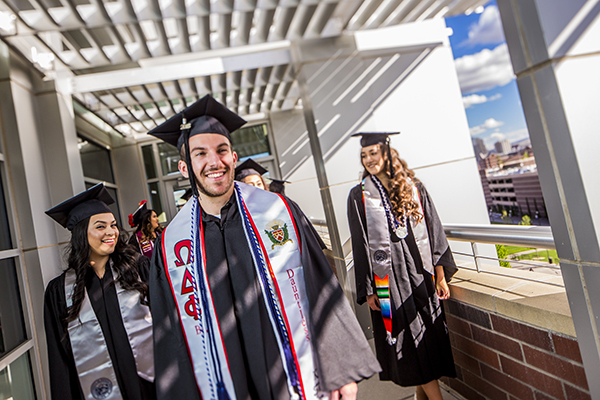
x=138, y=215
x=93, y=201
x=277, y=186
x=247, y=168
x=187, y=195
x=371, y=138
x=204, y=116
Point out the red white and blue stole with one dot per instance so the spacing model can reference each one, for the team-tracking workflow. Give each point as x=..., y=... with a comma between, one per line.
x=274, y=244
x=379, y=222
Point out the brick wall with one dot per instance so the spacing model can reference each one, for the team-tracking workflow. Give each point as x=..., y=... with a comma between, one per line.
x=500, y=358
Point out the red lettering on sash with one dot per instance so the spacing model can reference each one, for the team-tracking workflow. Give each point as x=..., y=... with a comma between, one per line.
x=198, y=329
x=290, y=273
x=190, y=307
x=187, y=285
x=183, y=244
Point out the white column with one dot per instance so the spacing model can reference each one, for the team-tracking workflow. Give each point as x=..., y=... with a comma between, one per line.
x=555, y=51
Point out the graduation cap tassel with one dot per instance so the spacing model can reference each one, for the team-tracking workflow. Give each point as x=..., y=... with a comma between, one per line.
x=390, y=164
x=185, y=128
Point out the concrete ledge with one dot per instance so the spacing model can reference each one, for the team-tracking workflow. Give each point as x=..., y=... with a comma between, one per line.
x=535, y=303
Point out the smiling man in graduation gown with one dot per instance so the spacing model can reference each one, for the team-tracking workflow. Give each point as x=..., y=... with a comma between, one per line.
x=244, y=303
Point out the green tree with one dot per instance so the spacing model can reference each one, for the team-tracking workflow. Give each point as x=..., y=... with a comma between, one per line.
x=502, y=253
x=505, y=217
x=526, y=220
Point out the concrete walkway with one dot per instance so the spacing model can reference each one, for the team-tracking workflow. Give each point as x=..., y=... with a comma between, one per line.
x=374, y=389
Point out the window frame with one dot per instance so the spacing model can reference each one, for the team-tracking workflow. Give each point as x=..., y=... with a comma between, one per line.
x=28, y=346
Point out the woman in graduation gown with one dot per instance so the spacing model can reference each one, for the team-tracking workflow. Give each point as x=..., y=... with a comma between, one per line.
x=402, y=265
x=147, y=229
x=98, y=324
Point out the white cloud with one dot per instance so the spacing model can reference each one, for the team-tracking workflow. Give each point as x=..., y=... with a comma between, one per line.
x=488, y=30
x=484, y=70
x=473, y=99
x=498, y=136
x=489, y=123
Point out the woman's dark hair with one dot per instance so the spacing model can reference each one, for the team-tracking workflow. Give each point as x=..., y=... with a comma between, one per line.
x=125, y=260
x=400, y=191
x=146, y=225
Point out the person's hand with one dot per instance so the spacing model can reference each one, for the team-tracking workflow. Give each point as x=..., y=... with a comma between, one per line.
x=346, y=392
x=442, y=289
x=373, y=302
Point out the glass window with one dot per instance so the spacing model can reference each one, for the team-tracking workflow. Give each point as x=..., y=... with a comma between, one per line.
x=12, y=324
x=252, y=141
x=5, y=237
x=16, y=382
x=169, y=158
x=154, y=190
x=95, y=160
x=149, y=165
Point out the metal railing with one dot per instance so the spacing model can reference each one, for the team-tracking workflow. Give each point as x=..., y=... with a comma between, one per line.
x=539, y=237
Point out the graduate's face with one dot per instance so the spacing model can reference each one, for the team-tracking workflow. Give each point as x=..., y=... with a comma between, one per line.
x=254, y=180
x=372, y=159
x=154, y=221
x=213, y=162
x=102, y=234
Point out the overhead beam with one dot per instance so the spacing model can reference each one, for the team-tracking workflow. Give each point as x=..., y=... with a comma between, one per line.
x=191, y=69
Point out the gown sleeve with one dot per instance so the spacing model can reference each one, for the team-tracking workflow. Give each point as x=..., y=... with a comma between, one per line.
x=174, y=374
x=358, y=233
x=64, y=381
x=440, y=250
x=340, y=347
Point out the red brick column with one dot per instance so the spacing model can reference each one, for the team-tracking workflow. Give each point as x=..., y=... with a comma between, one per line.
x=501, y=358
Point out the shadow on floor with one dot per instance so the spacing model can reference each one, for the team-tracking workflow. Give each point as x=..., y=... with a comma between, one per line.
x=374, y=389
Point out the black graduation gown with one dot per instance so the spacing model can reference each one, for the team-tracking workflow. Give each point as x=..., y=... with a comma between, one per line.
x=412, y=291
x=253, y=355
x=64, y=381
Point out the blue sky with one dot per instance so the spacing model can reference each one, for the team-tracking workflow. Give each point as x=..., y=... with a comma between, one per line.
x=486, y=78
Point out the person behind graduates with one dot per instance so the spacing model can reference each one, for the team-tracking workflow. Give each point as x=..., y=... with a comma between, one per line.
x=251, y=173
x=402, y=265
x=277, y=186
x=96, y=315
x=244, y=303
x=147, y=229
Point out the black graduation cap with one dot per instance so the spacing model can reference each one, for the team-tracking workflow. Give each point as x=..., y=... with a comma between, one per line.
x=371, y=138
x=70, y=212
x=138, y=215
x=247, y=168
x=206, y=115
x=277, y=186
x=187, y=195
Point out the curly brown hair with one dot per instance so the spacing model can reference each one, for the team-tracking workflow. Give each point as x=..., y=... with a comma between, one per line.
x=400, y=189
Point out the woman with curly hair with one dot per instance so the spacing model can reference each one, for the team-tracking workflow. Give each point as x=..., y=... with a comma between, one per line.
x=402, y=267
x=147, y=229
x=96, y=314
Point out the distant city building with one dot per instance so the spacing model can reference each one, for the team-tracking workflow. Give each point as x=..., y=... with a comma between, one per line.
x=480, y=150
x=503, y=147
x=488, y=162
x=516, y=190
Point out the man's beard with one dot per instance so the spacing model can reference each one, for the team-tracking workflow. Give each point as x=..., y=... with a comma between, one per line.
x=221, y=190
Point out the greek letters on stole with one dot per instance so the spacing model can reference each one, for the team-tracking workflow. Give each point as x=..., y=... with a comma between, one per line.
x=274, y=243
